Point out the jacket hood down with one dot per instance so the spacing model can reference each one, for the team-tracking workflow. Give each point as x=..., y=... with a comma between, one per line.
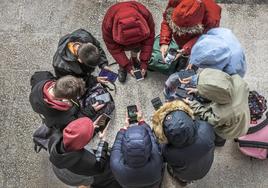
x=160, y=116
x=216, y=86
x=179, y=129
x=219, y=49
x=136, y=146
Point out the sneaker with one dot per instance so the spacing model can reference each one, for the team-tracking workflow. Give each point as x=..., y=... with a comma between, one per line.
x=122, y=75
x=219, y=141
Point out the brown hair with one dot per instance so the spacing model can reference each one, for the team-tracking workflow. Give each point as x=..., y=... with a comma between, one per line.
x=69, y=87
x=88, y=54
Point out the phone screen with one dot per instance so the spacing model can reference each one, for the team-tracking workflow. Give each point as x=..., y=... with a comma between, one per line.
x=180, y=92
x=138, y=75
x=104, y=97
x=103, y=122
x=132, y=114
x=109, y=74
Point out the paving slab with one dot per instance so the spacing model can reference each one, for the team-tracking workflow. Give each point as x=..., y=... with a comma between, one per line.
x=29, y=33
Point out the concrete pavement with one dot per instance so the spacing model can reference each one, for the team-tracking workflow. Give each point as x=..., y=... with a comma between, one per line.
x=29, y=33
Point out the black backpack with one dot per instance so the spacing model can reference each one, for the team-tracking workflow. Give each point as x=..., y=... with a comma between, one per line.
x=41, y=137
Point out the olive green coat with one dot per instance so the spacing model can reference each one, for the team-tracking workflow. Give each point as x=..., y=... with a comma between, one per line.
x=228, y=112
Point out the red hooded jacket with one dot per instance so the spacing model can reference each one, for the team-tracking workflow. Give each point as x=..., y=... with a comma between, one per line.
x=193, y=12
x=112, y=36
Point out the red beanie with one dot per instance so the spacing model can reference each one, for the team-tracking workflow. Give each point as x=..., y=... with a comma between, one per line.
x=188, y=13
x=77, y=134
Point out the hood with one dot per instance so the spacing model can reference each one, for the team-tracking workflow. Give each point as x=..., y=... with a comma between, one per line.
x=160, y=115
x=179, y=128
x=58, y=156
x=216, y=86
x=210, y=51
x=136, y=146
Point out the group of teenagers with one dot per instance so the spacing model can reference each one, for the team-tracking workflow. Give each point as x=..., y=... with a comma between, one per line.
x=184, y=132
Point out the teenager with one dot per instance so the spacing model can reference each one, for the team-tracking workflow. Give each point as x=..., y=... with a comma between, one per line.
x=129, y=26
x=74, y=162
x=188, y=144
x=186, y=20
x=55, y=100
x=136, y=161
x=78, y=54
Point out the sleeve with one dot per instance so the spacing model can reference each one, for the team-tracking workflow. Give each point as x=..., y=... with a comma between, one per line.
x=147, y=46
x=205, y=113
x=116, y=153
x=88, y=112
x=189, y=45
x=101, y=154
x=90, y=80
x=166, y=31
x=115, y=49
x=212, y=15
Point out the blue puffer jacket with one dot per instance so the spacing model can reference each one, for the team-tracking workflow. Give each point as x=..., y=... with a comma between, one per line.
x=136, y=161
x=219, y=49
x=190, y=148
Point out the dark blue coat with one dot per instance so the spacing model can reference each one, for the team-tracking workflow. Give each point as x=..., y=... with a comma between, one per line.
x=190, y=151
x=135, y=158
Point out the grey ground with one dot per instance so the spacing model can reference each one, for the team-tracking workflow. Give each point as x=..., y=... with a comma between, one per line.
x=29, y=32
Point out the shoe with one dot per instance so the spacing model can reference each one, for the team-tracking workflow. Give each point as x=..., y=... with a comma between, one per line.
x=219, y=141
x=171, y=173
x=122, y=75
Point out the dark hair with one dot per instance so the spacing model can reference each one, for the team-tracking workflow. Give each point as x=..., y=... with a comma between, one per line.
x=88, y=54
x=69, y=87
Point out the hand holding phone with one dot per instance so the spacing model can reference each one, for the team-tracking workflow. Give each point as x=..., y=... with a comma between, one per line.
x=183, y=94
x=132, y=114
x=138, y=75
x=102, y=122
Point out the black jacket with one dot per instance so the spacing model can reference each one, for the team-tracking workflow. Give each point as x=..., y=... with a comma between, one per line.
x=136, y=163
x=65, y=63
x=83, y=162
x=53, y=118
x=190, y=151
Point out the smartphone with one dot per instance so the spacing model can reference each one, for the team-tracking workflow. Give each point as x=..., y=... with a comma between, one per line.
x=182, y=93
x=157, y=103
x=111, y=76
x=103, y=122
x=132, y=114
x=138, y=75
x=103, y=98
x=186, y=73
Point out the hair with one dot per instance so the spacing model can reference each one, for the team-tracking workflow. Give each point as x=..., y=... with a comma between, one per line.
x=69, y=87
x=88, y=54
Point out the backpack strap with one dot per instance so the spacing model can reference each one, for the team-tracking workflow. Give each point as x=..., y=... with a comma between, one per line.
x=252, y=144
x=259, y=126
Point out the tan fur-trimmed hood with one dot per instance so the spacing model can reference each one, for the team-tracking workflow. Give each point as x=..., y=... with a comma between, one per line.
x=161, y=113
x=197, y=29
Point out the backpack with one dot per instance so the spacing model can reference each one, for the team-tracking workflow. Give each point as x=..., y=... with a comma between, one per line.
x=155, y=63
x=41, y=137
x=257, y=105
x=88, y=99
x=255, y=142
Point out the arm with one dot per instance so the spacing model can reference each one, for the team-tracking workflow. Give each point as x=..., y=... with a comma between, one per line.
x=166, y=31
x=205, y=113
x=116, y=153
x=189, y=45
x=147, y=46
x=101, y=154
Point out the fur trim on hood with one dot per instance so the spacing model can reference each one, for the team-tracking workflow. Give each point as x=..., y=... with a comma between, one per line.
x=198, y=29
x=160, y=115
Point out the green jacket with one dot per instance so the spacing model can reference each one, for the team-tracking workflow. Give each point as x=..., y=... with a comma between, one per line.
x=228, y=112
